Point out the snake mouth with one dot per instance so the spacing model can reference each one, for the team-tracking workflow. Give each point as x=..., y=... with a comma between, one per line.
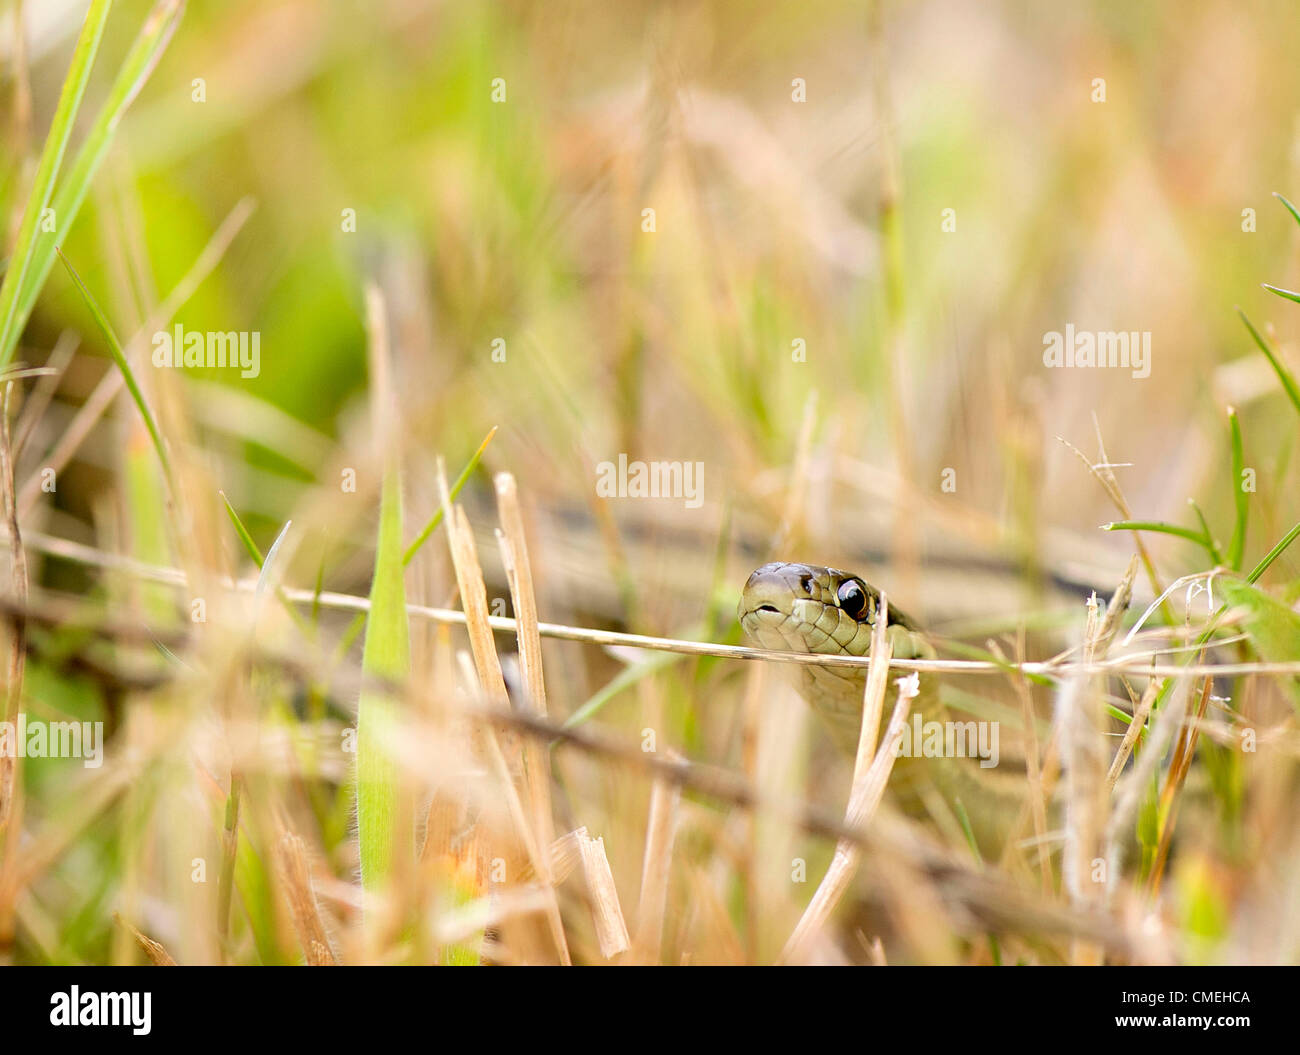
x=767, y=609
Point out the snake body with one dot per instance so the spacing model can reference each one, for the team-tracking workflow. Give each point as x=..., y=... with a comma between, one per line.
x=810, y=608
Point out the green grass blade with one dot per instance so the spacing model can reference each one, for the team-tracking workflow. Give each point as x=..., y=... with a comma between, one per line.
x=1160, y=527
x=354, y=628
x=1289, y=207
x=1283, y=374
x=1238, y=544
x=229, y=855
x=1213, y=625
x=315, y=597
x=461, y=480
x=349, y=635
x=267, y=576
x=625, y=679
x=1215, y=555
x=263, y=562
x=1273, y=555
x=1273, y=627
x=1282, y=292
x=249, y=545
x=963, y=819
x=386, y=657
x=119, y=357
x=56, y=143
x=139, y=63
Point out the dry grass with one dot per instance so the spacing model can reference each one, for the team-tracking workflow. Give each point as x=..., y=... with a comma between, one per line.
x=581, y=762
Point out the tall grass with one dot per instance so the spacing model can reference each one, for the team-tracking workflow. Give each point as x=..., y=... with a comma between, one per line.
x=550, y=745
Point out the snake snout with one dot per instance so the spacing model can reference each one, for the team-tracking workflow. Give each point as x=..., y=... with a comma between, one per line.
x=775, y=605
x=768, y=590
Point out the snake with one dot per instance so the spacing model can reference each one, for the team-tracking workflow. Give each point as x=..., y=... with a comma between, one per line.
x=809, y=608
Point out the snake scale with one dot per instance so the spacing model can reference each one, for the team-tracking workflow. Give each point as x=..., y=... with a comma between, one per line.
x=810, y=608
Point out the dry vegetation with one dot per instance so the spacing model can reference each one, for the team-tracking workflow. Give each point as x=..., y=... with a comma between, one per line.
x=360, y=706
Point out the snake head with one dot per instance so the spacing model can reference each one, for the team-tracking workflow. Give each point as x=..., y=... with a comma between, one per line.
x=810, y=608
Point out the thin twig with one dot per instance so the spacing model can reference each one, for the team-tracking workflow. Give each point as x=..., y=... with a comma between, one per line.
x=1127, y=664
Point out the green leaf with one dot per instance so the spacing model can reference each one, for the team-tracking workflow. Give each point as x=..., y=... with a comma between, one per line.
x=1283, y=374
x=1290, y=208
x=461, y=480
x=1148, y=826
x=349, y=635
x=1215, y=555
x=119, y=357
x=1274, y=629
x=1119, y=715
x=249, y=545
x=1211, y=628
x=1273, y=554
x=145, y=52
x=1238, y=542
x=267, y=576
x=1282, y=292
x=386, y=656
x=964, y=819
x=622, y=681
x=56, y=143
x=1160, y=527
x=253, y=551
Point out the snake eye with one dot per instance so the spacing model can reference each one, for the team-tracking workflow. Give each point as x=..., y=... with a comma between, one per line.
x=852, y=598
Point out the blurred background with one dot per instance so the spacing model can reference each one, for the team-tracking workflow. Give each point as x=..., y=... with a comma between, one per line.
x=775, y=221
x=812, y=247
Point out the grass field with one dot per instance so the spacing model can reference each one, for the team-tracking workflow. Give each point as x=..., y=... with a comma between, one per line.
x=398, y=395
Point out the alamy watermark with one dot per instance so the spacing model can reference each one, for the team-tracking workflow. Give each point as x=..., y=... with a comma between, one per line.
x=1103, y=349
x=933, y=739
x=240, y=349
x=92, y=1008
x=626, y=479
x=32, y=738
